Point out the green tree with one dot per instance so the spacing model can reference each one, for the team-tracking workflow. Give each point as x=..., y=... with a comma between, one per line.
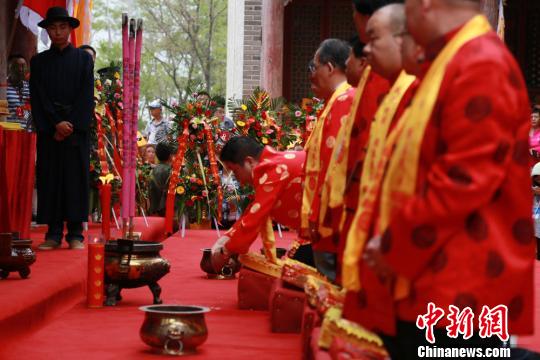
x=189, y=41
x=184, y=44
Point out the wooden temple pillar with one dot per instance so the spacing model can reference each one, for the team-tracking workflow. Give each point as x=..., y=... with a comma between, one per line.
x=273, y=14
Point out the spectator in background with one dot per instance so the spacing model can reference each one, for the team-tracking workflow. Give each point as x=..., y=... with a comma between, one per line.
x=158, y=127
x=18, y=92
x=159, y=180
x=534, y=134
x=204, y=98
x=89, y=50
x=225, y=122
x=535, y=177
x=150, y=154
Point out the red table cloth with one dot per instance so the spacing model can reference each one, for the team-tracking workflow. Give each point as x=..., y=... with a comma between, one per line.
x=17, y=169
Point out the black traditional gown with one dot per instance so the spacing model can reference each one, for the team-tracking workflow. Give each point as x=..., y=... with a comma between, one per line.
x=61, y=89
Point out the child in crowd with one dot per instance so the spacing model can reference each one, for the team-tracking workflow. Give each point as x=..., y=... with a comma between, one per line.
x=159, y=180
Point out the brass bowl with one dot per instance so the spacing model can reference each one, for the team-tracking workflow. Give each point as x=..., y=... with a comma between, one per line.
x=227, y=272
x=174, y=329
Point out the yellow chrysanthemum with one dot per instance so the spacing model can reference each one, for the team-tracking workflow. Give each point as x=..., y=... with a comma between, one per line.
x=98, y=82
x=180, y=190
x=107, y=178
x=244, y=107
x=241, y=123
x=116, y=75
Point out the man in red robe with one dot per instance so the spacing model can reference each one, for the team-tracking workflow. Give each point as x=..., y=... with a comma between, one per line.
x=328, y=82
x=373, y=92
x=384, y=51
x=356, y=62
x=277, y=178
x=464, y=237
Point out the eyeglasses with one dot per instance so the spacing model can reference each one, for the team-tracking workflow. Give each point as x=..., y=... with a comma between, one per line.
x=312, y=67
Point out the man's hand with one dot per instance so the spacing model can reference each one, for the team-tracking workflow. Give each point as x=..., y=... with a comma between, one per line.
x=314, y=232
x=220, y=255
x=64, y=128
x=375, y=260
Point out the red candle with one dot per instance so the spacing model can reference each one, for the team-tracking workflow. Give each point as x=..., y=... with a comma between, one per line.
x=96, y=268
x=106, y=211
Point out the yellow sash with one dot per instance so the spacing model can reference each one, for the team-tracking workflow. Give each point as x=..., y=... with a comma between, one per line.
x=313, y=161
x=371, y=176
x=399, y=183
x=334, y=184
x=269, y=241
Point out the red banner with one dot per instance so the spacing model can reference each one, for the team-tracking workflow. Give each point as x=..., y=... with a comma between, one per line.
x=175, y=173
x=214, y=169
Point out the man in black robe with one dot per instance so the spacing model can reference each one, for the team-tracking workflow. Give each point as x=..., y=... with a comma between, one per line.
x=61, y=91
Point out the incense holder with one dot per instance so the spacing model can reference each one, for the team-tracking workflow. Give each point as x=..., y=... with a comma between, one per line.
x=16, y=255
x=132, y=264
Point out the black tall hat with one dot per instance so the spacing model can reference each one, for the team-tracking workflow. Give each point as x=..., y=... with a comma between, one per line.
x=57, y=13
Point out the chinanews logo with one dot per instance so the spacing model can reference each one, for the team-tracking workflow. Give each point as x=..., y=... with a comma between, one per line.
x=491, y=322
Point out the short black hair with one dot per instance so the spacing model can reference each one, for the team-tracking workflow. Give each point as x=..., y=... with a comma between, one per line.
x=368, y=7
x=334, y=51
x=84, y=47
x=220, y=101
x=357, y=46
x=15, y=56
x=163, y=151
x=238, y=148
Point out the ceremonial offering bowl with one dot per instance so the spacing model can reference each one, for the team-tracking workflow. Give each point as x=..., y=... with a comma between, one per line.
x=227, y=272
x=132, y=264
x=15, y=255
x=174, y=329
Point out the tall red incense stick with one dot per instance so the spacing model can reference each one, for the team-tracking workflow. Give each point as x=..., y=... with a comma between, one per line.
x=126, y=118
x=135, y=112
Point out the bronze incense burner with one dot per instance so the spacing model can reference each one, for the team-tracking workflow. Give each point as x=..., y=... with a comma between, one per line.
x=174, y=329
x=16, y=255
x=131, y=264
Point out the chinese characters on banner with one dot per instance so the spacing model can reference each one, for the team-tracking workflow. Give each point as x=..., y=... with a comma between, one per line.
x=491, y=322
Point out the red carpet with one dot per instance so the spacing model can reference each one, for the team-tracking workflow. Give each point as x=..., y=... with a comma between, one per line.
x=57, y=283
x=113, y=333
x=45, y=317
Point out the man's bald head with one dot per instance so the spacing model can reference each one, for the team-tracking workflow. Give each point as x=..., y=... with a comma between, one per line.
x=430, y=20
x=384, y=30
x=394, y=16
